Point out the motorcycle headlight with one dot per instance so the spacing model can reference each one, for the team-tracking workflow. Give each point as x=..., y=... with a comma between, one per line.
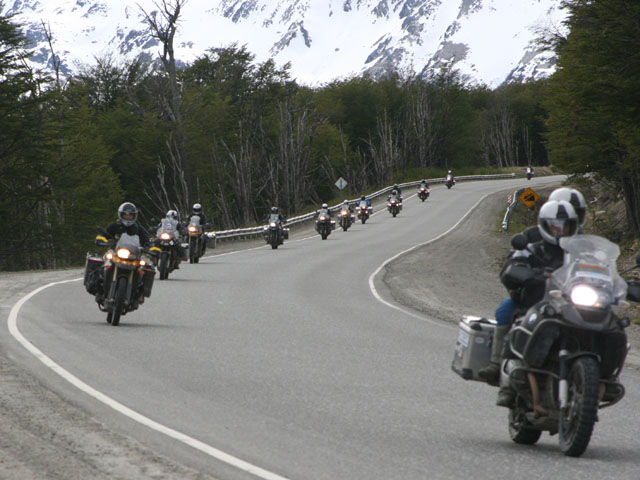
x=323, y=218
x=109, y=256
x=272, y=224
x=192, y=229
x=585, y=296
x=165, y=236
x=123, y=253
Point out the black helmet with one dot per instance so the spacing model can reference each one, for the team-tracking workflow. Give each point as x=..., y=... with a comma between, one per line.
x=127, y=213
x=363, y=197
x=557, y=218
x=274, y=209
x=172, y=214
x=395, y=192
x=575, y=198
x=196, y=209
x=395, y=186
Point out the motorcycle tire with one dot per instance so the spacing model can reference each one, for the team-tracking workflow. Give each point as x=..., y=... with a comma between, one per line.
x=192, y=251
x=163, y=266
x=518, y=430
x=394, y=213
x=324, y=236
x=121, y=291
x=364, y=220
x=577, y=420
x=423, y=198
x=344, y=228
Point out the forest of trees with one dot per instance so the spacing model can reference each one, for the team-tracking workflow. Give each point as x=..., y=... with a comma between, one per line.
x=239, y=136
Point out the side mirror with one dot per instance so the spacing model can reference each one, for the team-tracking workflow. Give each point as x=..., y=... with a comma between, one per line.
x=633, y=291
x=519, y=241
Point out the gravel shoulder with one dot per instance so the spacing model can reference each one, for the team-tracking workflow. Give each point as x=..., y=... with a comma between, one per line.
x=43, y=435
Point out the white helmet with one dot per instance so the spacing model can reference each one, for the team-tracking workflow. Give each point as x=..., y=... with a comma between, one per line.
x=575, y=198
x=557, y=218
x=172, y=214
x=324, y=205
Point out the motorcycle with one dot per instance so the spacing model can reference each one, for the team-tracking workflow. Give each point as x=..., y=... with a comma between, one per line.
x=274, y=233
x=345, y=219
x=394, y=206
x=197, y=239
x=363, y=212
x=122, y=278
x=449, y=181
x=167, y=246
x=529, y=173
x=565, y=354
x=423, y=192
x=324, y=225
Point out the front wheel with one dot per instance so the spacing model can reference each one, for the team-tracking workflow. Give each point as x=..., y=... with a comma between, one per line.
x=364, y=220
x=163, y=266
x=394, y=213
x=121, y=291
x=577, y=420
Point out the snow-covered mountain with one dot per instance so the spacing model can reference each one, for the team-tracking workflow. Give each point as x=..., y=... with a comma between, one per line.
x=490, y=41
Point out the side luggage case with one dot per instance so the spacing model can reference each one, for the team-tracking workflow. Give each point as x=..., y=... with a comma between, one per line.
x=473, y=346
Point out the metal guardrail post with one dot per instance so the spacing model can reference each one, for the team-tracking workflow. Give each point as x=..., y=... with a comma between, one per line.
x=510, y=209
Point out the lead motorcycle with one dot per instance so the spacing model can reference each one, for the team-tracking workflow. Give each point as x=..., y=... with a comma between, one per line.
x=528, y=173
x=122, y=278
x=566, y=353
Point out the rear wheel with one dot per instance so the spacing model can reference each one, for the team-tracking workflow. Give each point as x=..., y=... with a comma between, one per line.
x=578, y=419
x=121, y=291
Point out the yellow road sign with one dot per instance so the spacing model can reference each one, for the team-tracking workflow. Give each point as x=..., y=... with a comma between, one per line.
x=529, y=197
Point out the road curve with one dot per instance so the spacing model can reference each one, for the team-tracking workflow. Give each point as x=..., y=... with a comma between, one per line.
x=283, y=364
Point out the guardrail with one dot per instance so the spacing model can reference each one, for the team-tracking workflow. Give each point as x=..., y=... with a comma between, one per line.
x=252, y=232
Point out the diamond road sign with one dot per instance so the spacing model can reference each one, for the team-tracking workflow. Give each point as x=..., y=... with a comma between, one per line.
x=529, y=197
x=341, y=183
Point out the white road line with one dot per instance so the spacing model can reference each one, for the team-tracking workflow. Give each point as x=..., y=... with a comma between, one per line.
x=110, y=402
x=372, y=286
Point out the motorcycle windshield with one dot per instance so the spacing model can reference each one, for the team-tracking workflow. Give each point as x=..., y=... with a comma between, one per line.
x=590, y=260
x=363, y=205
x=130, y=242
x=274, y=218
x=195, y=221
x=169, y=226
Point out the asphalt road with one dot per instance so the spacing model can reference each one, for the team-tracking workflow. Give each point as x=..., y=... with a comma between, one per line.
x=283, y=364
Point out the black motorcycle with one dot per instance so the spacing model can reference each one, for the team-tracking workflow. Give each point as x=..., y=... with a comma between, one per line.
x=197, y=239
x=529, y=173
x=274, y=233
x=345, y=219
x=363, y=212
x=449, y=181
x=324, y=225
x=167, y=245
x=122, y=278
x=423, y=192
x=394, y=206
x=566, y=353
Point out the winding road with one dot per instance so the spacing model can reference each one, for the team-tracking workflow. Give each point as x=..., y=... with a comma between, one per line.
x=295, y=363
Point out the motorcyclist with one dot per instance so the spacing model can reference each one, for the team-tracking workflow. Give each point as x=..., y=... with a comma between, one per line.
x=393, y=195
x=364, y=199
x=196, y=209
x=324, y=210
x=423, y=184
x=571, y=195
x=347, y=206
x=127, y=223
x=174, y=219
x=274, y=213
x=556, y=219
x=453, y=179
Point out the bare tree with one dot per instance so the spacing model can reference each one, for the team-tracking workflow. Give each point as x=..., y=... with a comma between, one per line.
x=163, y=24
x=385, y=152
x=171, y=190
